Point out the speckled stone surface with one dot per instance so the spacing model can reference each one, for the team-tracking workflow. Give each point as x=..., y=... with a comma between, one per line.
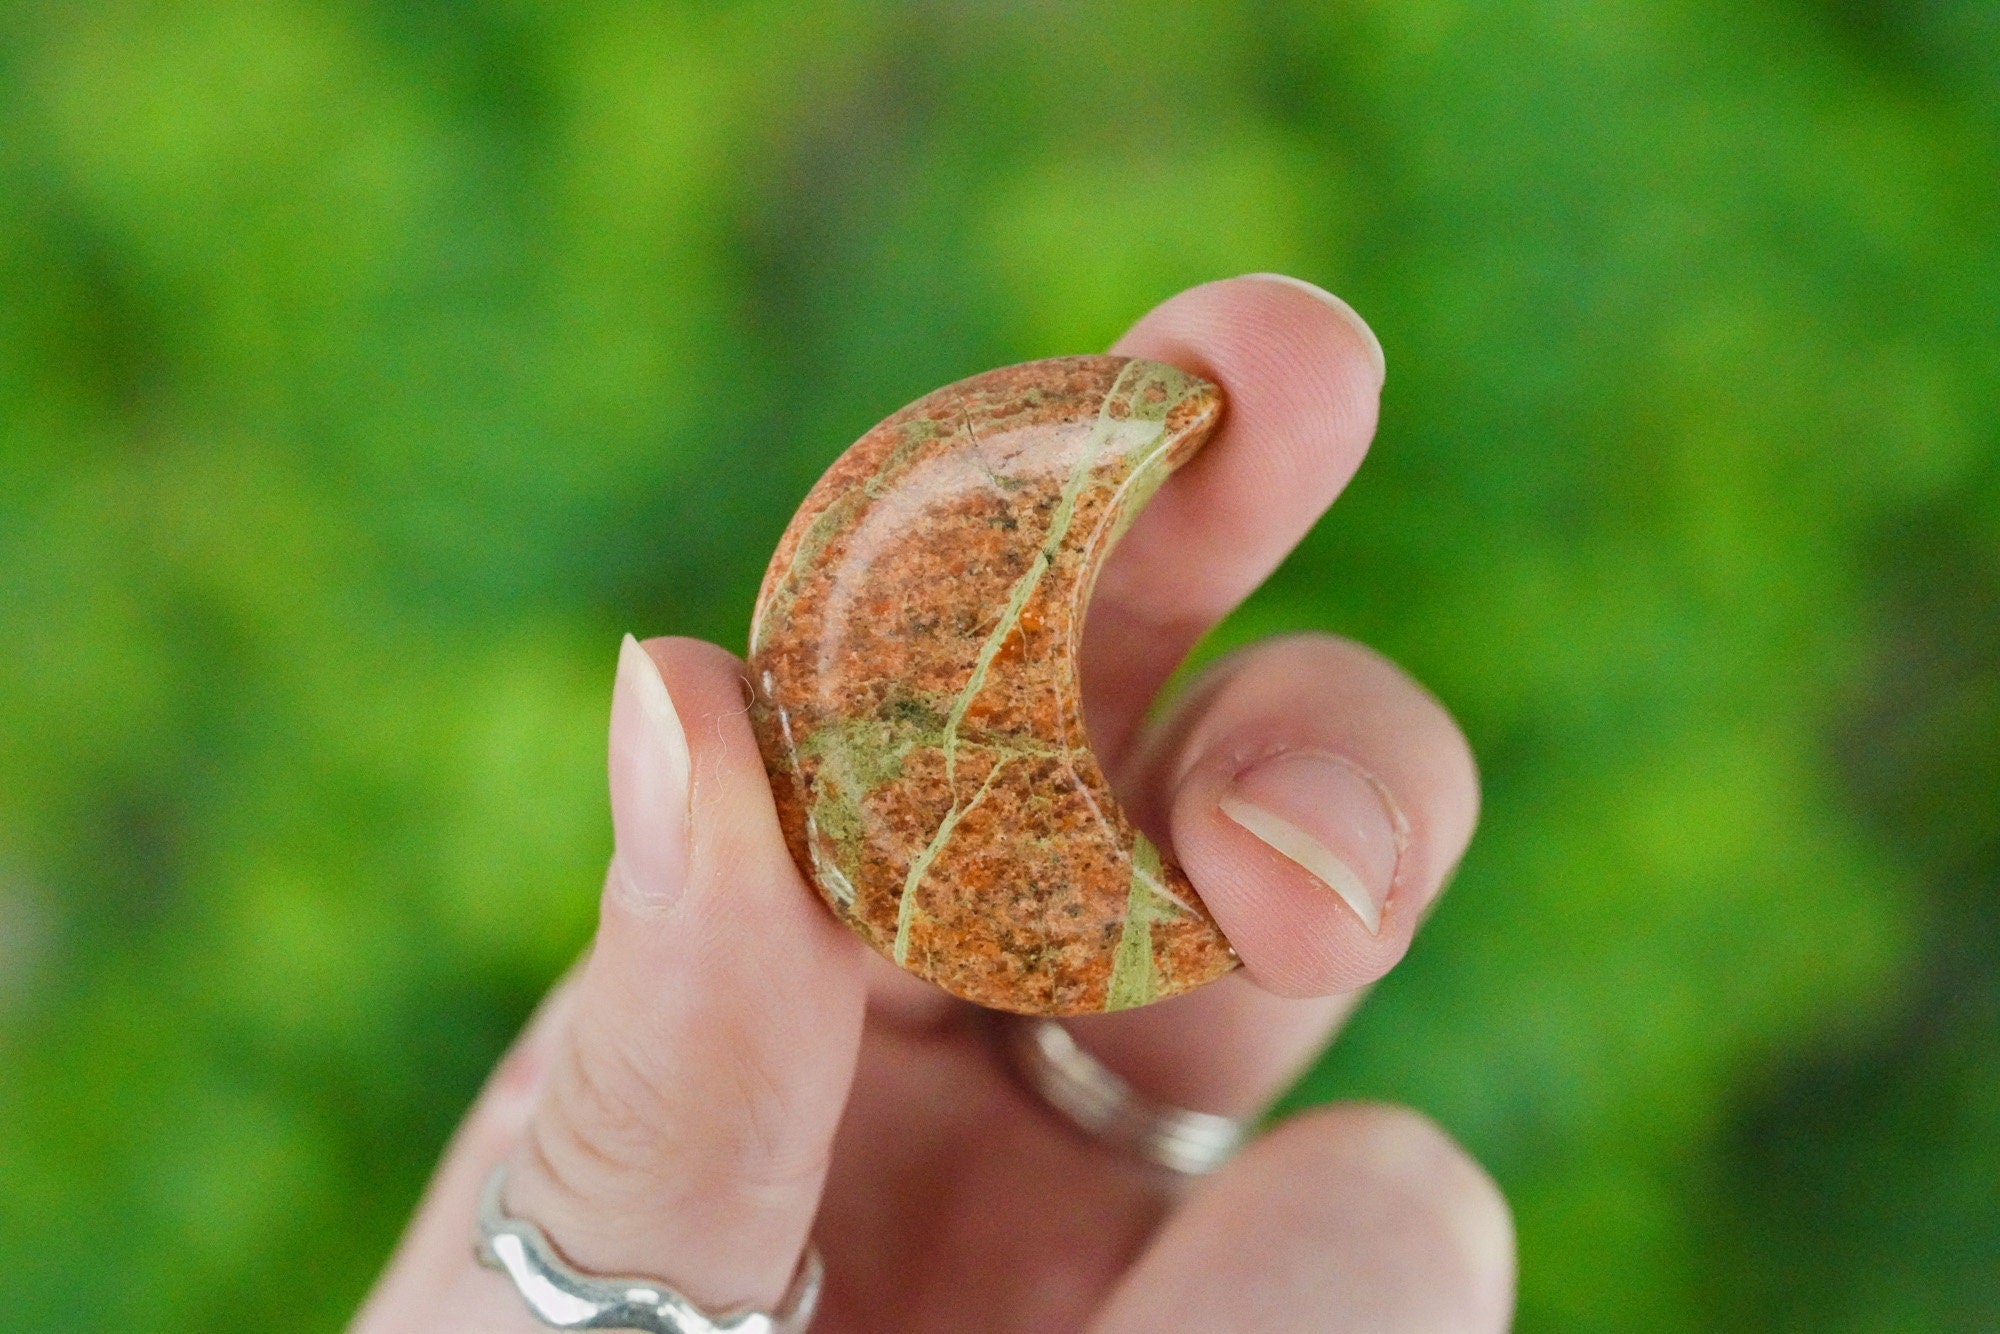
x=913, y=654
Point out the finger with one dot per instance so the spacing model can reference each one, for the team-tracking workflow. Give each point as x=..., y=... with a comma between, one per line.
x=1301, y=375
x=688, y=1118
x=684, y=1098
x=1355, y=1218
x=673, y=1114
x=1317, y=798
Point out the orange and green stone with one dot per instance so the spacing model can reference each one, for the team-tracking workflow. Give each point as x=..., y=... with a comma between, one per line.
x=914, y=657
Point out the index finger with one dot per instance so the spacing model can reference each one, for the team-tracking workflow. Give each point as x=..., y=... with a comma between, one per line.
x=1302, y=375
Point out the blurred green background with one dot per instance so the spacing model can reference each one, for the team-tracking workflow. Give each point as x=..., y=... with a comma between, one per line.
x=366, y=368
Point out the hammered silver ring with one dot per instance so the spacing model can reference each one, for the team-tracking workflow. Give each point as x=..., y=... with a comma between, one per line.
x=563, y=1297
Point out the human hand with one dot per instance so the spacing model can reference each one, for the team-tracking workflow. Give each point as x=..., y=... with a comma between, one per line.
x=730, y=1070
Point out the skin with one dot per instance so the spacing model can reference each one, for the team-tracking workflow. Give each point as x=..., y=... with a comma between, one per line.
x=730, y=1070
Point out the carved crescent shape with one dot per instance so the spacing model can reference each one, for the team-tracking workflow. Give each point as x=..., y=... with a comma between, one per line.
x=914, y=658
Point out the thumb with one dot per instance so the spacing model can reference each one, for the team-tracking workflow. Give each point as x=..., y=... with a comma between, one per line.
x=693, y=1073
x=688, y=1117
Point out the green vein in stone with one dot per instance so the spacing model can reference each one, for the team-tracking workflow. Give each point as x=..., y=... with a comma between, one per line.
x=1151, y=471
x=906, y=907
x=811, y=543
x=1132, y=980
x=1024, y=587
x=1134, y=492
x=861, y=755
x=1010, y=616
x=858, y=756
x=917, y=432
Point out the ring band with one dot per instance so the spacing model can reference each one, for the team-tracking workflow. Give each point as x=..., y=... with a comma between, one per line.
x=1094, y=1099
x=563, y=1298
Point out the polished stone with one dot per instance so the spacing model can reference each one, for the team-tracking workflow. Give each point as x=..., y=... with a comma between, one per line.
x=913, y=654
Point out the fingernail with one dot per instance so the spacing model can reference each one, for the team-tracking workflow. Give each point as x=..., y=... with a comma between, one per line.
x=1328, y=816
x=1340, y=308
x=649, y=781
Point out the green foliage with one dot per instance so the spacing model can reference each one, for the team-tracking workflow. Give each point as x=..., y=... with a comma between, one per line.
x=366, y=367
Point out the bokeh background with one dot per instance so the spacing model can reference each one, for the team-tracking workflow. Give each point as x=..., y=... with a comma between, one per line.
x=366, y=368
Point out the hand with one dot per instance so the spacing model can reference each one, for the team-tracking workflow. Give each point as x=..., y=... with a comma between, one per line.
x=730, y=1070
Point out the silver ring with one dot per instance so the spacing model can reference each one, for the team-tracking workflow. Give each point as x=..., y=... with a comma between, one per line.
x=1098, y=1102
x=562, y=1298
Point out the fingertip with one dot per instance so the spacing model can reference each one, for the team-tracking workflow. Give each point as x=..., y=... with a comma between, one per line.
x=736, y=842
x=1350, y=1217
x=1346, y=313
x=1395, y=1163
x=692, y=1102
x=1301, y=381
x=1290, y=356
x=1326, y=814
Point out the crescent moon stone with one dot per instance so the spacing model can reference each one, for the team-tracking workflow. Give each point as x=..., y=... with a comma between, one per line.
x=914, y=666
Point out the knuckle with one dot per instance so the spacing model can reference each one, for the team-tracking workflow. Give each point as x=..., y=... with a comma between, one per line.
x=597, y=1123
x=614, y=1122
x=770, y=1147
